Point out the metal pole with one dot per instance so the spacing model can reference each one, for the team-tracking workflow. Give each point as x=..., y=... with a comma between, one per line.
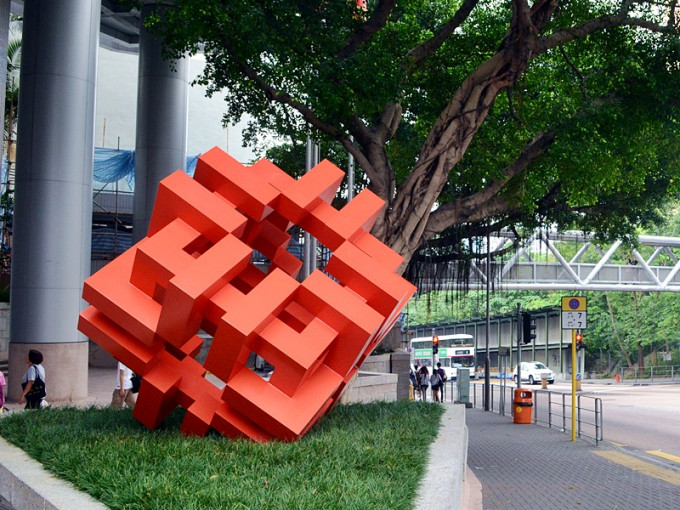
x=573, y=385
x=519, y=348
x=433, y=335
x=313, y=241
x=306, y=266
x=487, y=375
x=350, y=175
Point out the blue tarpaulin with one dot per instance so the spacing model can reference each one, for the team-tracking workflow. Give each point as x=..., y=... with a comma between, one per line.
x=112, y=165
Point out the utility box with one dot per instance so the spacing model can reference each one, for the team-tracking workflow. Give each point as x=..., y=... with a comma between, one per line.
x=463, y=387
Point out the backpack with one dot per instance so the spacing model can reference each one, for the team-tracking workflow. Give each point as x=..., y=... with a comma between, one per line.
x=136, y=382
x=37, y=391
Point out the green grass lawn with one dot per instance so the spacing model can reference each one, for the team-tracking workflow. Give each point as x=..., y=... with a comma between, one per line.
x=361, y=456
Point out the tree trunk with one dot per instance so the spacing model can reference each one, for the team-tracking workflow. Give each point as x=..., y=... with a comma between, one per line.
x=641, y=358
x=616, y=331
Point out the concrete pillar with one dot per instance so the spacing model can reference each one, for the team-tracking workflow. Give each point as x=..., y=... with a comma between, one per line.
x=162, y=106
x=53, y=198
x=4, y=40
x=401, y=364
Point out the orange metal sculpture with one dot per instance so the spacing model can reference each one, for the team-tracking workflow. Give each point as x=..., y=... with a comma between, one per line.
x=193, y=271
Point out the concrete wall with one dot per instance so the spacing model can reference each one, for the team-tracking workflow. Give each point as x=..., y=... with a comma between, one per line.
x=371, y=387
x=395, y=363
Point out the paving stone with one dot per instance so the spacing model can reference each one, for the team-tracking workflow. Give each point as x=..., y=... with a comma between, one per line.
x=533, y=467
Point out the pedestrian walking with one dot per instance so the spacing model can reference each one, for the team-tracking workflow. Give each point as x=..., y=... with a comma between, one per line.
x=2, y=392
x=123, y=394
x=442, y=374
x=423, y=382
x=413, y=378
x=33, y=382
x=436, y=383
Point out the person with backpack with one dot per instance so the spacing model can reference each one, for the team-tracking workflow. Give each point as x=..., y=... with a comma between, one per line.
x=33, y=382
x=436, y=383
x=122, y=393
x=442, y=374
x=423, y=382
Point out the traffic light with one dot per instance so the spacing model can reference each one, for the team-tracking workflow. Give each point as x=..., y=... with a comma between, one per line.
x=579, y=341
x=435, y=345
x=528, y=328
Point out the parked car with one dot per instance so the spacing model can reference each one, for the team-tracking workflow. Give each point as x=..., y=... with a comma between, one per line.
x=533, y=371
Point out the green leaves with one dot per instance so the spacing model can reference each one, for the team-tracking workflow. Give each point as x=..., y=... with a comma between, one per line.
x=607, y=98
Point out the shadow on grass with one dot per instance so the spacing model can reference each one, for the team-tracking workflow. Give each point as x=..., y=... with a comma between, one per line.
x=358, y=456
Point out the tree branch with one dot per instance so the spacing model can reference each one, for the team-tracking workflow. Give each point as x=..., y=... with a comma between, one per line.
x=584, y=88
x=569, y=34
x=487, y=203
x=422, y=51
x=375, y=23
x=389, y=122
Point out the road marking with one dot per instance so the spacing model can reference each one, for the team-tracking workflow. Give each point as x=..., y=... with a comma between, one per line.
x=667, y=456
x=620, y=445
x=642, y=467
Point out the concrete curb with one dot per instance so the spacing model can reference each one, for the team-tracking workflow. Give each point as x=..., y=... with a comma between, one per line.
x=447, y=483
x=26, y=485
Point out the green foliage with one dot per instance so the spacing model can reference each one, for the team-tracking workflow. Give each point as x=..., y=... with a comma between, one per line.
x=645, y=322
x=606, y=104
x=359, y=456
x=446, y=306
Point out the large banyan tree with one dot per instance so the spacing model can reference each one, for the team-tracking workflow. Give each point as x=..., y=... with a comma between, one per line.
x=464, y=116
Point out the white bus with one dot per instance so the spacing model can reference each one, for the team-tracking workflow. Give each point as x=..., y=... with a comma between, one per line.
x=455, y=351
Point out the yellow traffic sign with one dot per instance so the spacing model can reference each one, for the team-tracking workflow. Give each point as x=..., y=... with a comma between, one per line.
x=574, y=304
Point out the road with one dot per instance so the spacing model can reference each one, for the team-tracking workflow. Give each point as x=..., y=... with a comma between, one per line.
x=643, y=417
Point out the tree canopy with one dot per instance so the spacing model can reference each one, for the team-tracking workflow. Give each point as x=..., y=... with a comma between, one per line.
x=465, y=116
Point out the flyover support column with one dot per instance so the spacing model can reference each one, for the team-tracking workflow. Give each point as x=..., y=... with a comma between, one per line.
x=53, y=197
x=162, y=106
x=4, y=42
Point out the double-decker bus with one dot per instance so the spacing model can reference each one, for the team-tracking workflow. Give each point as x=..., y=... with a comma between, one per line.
x=455, y=351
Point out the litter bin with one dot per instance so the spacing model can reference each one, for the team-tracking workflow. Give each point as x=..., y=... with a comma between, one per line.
x=522, y=406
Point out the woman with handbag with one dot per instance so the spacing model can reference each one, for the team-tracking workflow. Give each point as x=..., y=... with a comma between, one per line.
x=33, y=382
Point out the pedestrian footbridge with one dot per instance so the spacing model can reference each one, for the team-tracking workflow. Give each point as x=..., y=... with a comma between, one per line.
x=573, y=261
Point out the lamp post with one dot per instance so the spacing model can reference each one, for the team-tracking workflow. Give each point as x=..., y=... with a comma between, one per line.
x=487, y=375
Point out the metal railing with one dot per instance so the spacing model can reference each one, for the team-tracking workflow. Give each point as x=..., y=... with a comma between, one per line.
x=665, y=373
x=551, y=408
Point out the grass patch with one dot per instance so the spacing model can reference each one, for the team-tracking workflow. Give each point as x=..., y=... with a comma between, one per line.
x=359, y=456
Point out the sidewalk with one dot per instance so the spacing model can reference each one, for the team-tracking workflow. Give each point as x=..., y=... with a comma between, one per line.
x=532, y=467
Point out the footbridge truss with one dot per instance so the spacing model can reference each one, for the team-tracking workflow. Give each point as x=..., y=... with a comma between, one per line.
x=651, y=267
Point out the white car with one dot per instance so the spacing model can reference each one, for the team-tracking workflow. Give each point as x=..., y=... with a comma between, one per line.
x=533, y=372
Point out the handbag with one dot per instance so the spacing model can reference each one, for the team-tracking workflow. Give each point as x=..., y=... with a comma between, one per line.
x=136, y=382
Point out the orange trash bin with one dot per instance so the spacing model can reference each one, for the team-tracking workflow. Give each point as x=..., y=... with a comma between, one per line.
x=522, y=406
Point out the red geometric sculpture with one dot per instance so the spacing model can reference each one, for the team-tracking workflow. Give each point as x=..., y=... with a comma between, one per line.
x=193, y=271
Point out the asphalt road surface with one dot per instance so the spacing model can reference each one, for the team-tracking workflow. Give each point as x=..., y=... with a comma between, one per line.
x=643, y=417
